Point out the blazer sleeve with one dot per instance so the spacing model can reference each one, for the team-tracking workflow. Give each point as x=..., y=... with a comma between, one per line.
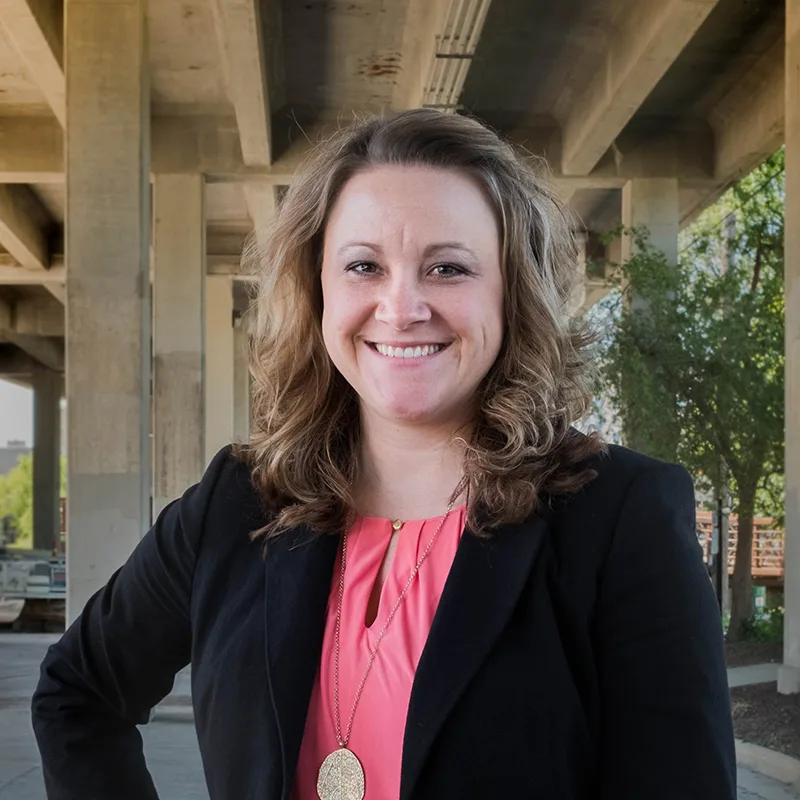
x=119, y=659
x=666, y=731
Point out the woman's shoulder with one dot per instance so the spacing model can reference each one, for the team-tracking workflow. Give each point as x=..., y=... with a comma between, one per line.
x=618, y=467
x=622, y=476
x=224, y=505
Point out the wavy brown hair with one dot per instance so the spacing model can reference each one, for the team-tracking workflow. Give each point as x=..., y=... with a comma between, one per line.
x=305, y=424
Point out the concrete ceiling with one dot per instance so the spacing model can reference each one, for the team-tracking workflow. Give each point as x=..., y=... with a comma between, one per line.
x=606, y=90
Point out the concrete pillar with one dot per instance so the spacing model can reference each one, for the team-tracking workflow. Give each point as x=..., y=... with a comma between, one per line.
x=578, y=298
x=241, y=382
x=108, y=289
x=179, y=284
x=219, y=363
x=789, y=674
x=652, y=203
x=46, y=459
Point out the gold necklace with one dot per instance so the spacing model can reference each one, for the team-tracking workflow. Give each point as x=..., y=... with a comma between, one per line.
x=341, y=776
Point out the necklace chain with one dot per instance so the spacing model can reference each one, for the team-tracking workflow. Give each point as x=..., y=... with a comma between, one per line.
x=343, y=740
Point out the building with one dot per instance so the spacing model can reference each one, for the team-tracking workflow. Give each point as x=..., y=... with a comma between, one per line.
x=11, y=454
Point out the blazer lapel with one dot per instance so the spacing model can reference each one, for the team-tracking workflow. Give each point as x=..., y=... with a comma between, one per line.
x=299, y=570
x=482, y=589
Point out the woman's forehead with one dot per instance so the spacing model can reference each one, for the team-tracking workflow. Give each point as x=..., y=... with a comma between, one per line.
x=391, y=205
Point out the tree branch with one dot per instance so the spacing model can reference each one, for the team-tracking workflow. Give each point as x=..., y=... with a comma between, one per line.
x=756, y=268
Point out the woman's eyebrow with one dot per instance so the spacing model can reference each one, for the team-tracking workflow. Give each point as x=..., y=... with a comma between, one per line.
x=352, y=245
x=432, y=249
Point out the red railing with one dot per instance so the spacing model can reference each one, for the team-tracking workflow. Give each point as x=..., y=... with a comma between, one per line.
x=767, y=543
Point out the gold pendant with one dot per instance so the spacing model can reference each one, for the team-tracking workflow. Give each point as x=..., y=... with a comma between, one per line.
x=397, y=524
x=341, y=777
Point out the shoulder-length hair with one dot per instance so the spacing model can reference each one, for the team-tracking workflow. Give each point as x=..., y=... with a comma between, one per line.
x=305, y=428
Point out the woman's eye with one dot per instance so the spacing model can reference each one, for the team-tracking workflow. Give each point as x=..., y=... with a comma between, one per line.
x=362, y=268
x=447, y=271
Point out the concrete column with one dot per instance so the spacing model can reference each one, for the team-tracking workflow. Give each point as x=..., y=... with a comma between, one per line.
x=789, y=674
x=179, y=284
x=241, y=382
x=108, y=289
x=219, y=363
x=46, y=459
x=652, y=203
x=578, y=298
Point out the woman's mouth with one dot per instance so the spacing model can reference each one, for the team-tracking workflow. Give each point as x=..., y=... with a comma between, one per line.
x=408, y=351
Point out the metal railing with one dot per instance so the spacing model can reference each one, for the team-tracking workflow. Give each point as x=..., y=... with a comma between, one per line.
x=767, y=543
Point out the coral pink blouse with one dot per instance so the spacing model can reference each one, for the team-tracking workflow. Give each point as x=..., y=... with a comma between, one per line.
x=379, y=724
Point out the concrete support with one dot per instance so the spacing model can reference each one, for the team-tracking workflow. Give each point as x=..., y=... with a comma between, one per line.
x=219, y=363
x=108, y=294
x=578, y=298
x=652, y=203
x=789, y=673
x=46, y=459
x=178, y=336
x=241, y=382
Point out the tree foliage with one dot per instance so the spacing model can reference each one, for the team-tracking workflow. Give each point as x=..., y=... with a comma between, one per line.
x=695, y=354
x=16, y=498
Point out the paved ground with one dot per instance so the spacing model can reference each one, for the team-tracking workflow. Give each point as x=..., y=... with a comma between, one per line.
x=171, y=747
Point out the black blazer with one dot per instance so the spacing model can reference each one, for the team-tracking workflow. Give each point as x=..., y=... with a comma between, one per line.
x=577, y=655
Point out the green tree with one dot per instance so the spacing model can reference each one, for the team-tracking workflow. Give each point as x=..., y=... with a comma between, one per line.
x=16, y=498
x=695, y=358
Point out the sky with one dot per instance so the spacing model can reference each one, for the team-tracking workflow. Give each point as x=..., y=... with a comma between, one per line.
x=16, y=413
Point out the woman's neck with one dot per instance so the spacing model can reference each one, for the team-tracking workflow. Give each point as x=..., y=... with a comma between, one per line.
x=407, y=472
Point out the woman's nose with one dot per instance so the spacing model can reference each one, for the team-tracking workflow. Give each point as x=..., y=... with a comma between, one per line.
x=402, y=304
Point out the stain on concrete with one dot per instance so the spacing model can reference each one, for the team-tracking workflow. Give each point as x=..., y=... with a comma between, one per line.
x=380, y=65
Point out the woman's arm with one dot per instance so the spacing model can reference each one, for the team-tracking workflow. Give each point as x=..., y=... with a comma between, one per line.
x=666, y=730
x=119, y=659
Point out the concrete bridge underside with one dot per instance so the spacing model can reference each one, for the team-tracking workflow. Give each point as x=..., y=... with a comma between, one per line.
x=141, y=143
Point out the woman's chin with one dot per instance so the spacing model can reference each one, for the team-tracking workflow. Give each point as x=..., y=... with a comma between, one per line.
x=414, y=412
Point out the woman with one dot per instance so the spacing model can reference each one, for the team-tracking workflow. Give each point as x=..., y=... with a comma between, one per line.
x=417, y=580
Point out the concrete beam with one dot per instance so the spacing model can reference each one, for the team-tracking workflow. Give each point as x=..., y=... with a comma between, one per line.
x=648, y=41
x=41, y=317
x=423, y=19
x=20, y=231
x=58, y=291
x=6, y=315
x=48, y=352
x=211, y=146
x=439, y=42
x=36, y=29
x=251, y=59
x=749, y=127
x=53, y=278
x=14, y=364
x=11, y=274
x=31, y=150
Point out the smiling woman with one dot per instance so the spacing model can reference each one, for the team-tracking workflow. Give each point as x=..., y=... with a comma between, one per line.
x=422, y=230
x=417, y=580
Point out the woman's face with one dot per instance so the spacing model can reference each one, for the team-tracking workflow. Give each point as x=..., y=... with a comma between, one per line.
x=412, y=292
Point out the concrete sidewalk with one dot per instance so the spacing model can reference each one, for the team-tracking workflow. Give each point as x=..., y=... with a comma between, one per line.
x=170, y=747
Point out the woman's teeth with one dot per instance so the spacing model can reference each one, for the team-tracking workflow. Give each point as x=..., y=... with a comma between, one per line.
x=408, y=352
